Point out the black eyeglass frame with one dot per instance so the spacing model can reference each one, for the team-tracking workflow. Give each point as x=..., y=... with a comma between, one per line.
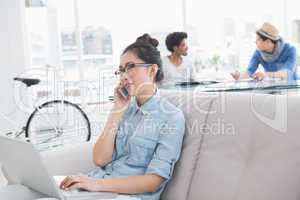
x=129, y=66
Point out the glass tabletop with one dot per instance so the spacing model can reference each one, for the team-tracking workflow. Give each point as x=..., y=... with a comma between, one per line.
x=266, y=86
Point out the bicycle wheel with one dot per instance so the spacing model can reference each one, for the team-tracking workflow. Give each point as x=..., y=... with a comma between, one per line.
x=56, y=123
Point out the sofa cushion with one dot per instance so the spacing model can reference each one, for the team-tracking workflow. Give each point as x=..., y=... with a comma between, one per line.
x=260, y=160
x=195, y=109
x=224, y=149
x=273, y=172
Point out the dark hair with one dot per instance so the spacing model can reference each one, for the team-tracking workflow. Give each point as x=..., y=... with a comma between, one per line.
x=145, y=48
x=264, y=38
x=174, y=39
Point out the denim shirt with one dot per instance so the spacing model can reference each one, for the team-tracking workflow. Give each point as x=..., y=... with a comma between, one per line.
x=286, y=61
x=148, y=141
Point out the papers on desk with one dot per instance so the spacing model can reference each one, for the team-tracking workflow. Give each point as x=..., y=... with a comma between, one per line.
x=269, y=85
x=196, y=83
x=252, y=85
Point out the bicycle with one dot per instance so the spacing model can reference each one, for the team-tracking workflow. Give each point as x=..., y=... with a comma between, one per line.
x=54, y=123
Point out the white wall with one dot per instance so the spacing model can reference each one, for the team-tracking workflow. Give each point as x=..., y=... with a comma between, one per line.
x=14, y=57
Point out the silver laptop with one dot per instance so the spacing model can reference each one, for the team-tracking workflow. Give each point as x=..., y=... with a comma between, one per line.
x=22, y=164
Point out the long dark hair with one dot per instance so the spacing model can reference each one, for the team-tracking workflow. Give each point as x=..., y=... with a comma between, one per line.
x=145, y=48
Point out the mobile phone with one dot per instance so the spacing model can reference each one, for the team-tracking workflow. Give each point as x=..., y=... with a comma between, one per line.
x=124, y=92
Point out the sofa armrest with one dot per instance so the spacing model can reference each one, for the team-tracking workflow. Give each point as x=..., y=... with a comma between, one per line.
x=71, y=159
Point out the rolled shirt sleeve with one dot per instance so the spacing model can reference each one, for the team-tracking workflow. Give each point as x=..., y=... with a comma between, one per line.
x=168, y=148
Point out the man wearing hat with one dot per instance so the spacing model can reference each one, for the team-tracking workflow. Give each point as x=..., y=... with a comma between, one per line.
x=277, y=57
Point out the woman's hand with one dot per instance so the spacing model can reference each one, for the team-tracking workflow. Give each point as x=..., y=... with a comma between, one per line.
x=121, y=102
x=81, y=182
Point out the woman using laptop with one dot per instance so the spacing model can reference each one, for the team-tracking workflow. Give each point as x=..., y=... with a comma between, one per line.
x=277, y=57
x=142, y=139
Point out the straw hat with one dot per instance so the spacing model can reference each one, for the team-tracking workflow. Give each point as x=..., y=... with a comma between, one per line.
x=269, y=31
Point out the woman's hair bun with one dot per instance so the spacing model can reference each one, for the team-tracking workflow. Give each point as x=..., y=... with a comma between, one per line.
x=148, y=39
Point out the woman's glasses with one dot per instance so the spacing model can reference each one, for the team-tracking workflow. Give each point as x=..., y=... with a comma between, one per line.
x=128, y=66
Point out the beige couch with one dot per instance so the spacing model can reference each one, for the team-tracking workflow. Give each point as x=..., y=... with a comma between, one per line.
x=237, y=146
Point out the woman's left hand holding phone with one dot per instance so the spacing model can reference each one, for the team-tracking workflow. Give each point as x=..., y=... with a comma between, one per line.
x=121, y=98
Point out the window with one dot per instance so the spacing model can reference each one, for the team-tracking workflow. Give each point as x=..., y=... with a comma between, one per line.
x=226, y=30
x=38, y=35
x=85, y=38
x=221, y=34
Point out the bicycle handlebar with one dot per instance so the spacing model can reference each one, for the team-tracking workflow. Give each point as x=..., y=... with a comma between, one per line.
x=28, y=81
